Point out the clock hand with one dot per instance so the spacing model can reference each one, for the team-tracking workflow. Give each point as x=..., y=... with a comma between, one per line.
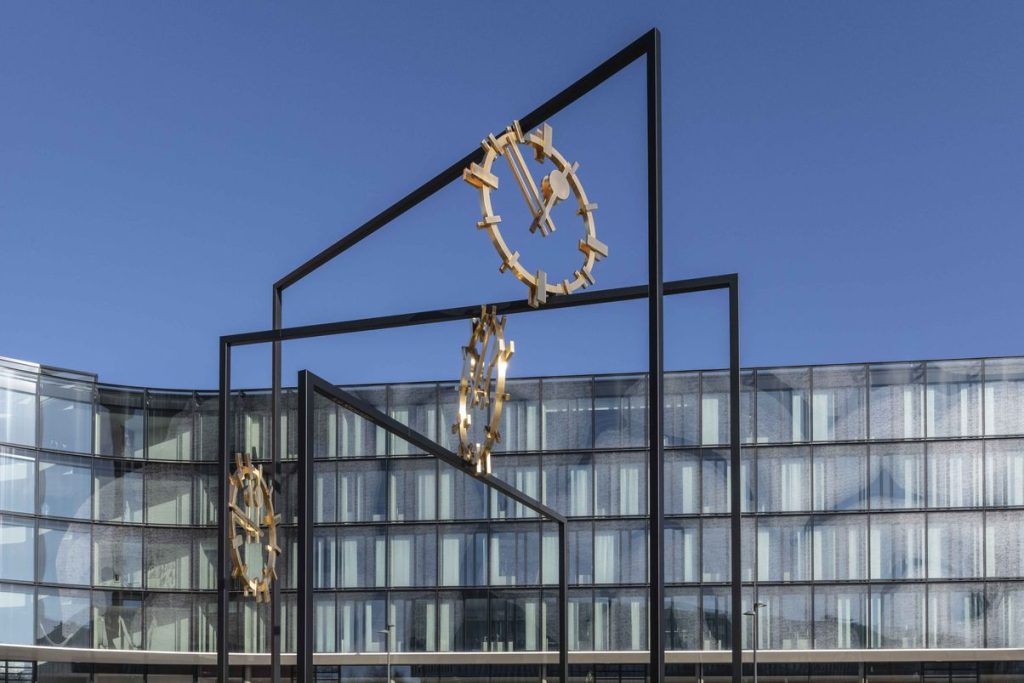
x=527, y=186
x=556, y=188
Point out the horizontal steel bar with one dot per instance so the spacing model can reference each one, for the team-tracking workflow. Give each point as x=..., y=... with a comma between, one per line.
x=406, y=433
x=588, y=298
x=581, y=87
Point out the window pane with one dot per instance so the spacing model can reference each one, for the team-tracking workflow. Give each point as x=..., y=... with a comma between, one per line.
x=620, y=412
x=954, y=398
x=717, y=619
x=1004, y=472
x=65, y=413
x=515, y=554
x=840, y=617
x=168, y=558
x=715, y=496
x=255, y=423
x=520, y=417
x=170, y=425
x=325, y=492
x=581, y=552
x=17, y=480
x=207, y=427
x=357, y=436
x=119, y=423
x=839, y=404
x=782, y=477
x=64, y=487
x=413, y=490
x=464, y=555
x=620, y=552
x=897, y=616
x=17, y=407
x=117, y=621
x=206, y=493
x=682, y=410
x=168, y=494
x=714, y=408
x=784, y=623
x=362, y=493
x=17, y=549
x=567, y=417
x=325, y=557
x=204, y=553
x=840, y=477
x=413, y=557
x=682, y=551
x=954, y=545
x=515, y=621
x=897, y=546
x=567, y=484
x=64, y=553
x=169, y=622
x=523, y=473
x=956, y=615
x=461, y=496
x=782, y=405
x=16, y=607
x=1005, y=544
x=840, y=548
x=715, y=550
x=1004, y=396
x=1005, y=614
x=620, y=620
x=118, y=491
x=414, y=617
x=620, y=484
x=117, y=556
x=897, y=476
x=682, y=482
x=954, y=474
x=362, y=557
x=414, y=406
x=682, y=619
x=63, y=618
x=897, y=401
x=325, y=427
x=784, y=548
x=361, y=618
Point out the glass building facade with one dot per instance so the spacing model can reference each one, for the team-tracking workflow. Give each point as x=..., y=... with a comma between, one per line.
x=882, y=529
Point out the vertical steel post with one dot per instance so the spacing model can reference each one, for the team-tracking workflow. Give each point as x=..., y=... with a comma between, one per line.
x=735, y=490
x=304, y=646
x=223, y=572
x=563, y=602
x=655, y=403
x=275, y=468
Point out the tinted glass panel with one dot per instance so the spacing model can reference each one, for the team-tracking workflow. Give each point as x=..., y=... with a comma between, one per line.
x=782, y=405
x=63, y=553
x=17, y=481
x=119, y=423
x=567, y=417
x=839, y=403
x=953, y=406
x=897, y=401
x=65, y=414
x=17, y=548
x=170, y=425
x=17, y=407
x=63, y=618
x=1004, y=396
x=64, y=487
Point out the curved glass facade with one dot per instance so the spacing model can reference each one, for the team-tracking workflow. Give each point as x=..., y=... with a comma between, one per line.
x=882, y=506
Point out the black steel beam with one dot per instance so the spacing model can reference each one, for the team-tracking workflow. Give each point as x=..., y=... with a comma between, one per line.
x=304, y=633
x=275, y=466
x=442, y=315
x=735, y=497
x=223, y=572
x=656, y=362
x=611, y=66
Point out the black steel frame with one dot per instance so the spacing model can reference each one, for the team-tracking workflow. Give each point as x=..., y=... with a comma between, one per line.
x=648, y=46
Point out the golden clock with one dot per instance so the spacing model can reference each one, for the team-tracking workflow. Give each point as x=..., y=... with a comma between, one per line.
x=482, y=387
x=252, y=528
x=541, y=198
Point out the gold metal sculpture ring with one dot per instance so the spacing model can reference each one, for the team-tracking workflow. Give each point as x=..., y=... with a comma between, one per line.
x=249, y=521
x=484, y=363
x=541, y=199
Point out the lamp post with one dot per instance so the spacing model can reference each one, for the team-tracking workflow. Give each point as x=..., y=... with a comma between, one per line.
x=753, y=613
x=387, y=632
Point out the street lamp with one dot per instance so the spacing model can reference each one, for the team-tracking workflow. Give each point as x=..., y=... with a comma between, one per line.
x=387, y=632
x=753, y=613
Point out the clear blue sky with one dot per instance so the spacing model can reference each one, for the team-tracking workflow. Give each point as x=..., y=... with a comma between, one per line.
x=861, y=165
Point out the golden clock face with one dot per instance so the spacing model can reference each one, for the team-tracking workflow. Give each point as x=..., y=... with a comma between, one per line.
x=252, y=531
x=482, y=386
x=557, y=186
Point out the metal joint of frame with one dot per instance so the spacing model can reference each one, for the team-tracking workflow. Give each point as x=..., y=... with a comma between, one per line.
x=649, y=47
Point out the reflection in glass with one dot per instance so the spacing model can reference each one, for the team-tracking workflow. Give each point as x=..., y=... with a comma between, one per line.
x=897, y=476
x=784, y=549
x=840, y=548
x=464, y=555
x=63, y=553
x=839, y=403
x=897, y=546
x=567, y=415
x=168, y=558
x=169, y=620
x=413, y=490
x=1005, y=603
x=1004, y=396
x=520, y=417
x=17, y=480
x=119, y=421
x=840, y=477
x=117, y=556
x=567, y=480
x=714, y=408
x=117, y=621
x=523, y=473
x=170, y=425
x=897, y=616
x=953, y=402
x=714, y=550
x=325, y=492
x=682, y=551
x=64, y=487
x=63, y=618
x=362, y=493
x=413, y=556
x=357, y=436
x=16, y=607
x=360, y=622
x=620, y=551
x=715, y=477
x=1004, y=472
x=118, y=491
x=414, y=616
x=784, y=623
x=954, y=474
x=515, y=621
x=620, y=484
x=840, y=617
x=897, y=401
x=682, y=619
x=325, y=557
x=620, y=620
x=362, y=557
x=17, y=407
x=782, y=405
x=168, y=494
x=956, y=615
x=782, y=476
x=415, y=406
x=65, y=415
x=581, y=552
x=955, y=544
x=461, y=496
x=717, y=621
x=515, y=554
x=620, y=412
x=17, y=548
